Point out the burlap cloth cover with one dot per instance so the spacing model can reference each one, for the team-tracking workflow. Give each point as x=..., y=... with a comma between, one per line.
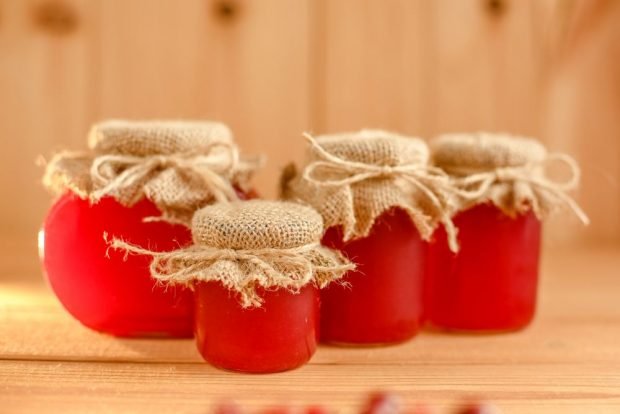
x=351, y=179
x=249, y=244
x=180, y=166
x=506, y=170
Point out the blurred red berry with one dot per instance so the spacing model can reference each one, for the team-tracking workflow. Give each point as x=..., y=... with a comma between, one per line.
x=280, y=410
x=478, y=409
x=227, y=408
x=316, y=410
x=420, y=409
x=383, y=403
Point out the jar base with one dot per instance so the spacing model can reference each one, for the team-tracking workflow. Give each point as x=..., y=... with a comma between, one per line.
x=369, y=343
x=430, y=327
x=343, y=344
x=275, y=370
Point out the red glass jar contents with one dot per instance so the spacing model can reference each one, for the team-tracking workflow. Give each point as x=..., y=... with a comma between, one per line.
x=280, y=335
x=501, y=193
x=379, y=201
x=491, y=283
x=382, y=301
x=130, y=176
x=98, y=286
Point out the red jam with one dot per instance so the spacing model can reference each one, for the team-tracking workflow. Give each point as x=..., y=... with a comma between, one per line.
x=383, y=302
x=490, y=284
x=278, y=336
x=111, y=294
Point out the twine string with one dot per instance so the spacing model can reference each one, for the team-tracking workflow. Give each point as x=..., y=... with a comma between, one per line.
x=481, y=182
x=288, y=268
x=111, y=173
x=354, y=172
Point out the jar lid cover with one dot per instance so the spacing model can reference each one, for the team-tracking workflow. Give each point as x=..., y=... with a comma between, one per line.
x=375, y=147
x=257, y=224
x=144, y=138
x=471, y=153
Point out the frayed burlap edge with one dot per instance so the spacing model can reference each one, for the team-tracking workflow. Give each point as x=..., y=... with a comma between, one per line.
x=178, y=184
x=518, y=190
x=245, y=271
x=68, y=171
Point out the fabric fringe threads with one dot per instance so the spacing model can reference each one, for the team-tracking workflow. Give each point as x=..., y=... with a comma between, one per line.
x=353, y=178
x=179, y=166
x=505, y=170
x=249, y=245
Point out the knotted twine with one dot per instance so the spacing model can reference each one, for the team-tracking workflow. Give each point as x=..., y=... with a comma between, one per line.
x=351, y=179
x=508, y=171
x=250, y=244
x=180, y=166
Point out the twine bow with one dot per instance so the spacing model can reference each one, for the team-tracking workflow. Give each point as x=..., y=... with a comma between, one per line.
x=354, y=172
x=481, y=182
x=112, y=173
x=285, y=268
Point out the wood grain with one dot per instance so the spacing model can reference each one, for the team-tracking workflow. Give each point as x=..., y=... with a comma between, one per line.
x=371, y=69
x=127, y=387
x=274, y=68
x=247, y=68
x=46, y=99
x=582, y=110
x=567, y=361
x=486, y=74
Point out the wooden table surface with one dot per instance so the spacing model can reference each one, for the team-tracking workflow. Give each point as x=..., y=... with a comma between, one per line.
x=568, y=361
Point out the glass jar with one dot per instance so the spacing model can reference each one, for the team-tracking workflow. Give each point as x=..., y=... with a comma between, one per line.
x=491, y=283
x=381, y=301
x=379, y=201
x=107, y=290
x=278, y=336
x=502, y=192
x=136, y=178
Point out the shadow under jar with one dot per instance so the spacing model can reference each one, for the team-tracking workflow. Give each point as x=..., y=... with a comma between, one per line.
x=490, y=284
x=364, y=185
x=104, y=289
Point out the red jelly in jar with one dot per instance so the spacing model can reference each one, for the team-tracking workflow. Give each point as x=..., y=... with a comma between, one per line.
x=256, y=265
x=382, y=301
x=278, y=336
x=102, y=288
x=491, y=283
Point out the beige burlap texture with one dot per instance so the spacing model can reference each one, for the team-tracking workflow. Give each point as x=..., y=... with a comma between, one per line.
x=180, y=166
x=508, y=171
x=249, y=245
x=351, y=179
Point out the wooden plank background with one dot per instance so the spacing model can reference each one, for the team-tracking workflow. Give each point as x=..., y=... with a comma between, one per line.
x=274, y=68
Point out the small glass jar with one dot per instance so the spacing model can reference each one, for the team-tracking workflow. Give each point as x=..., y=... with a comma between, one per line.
x=490, y=284
x=379, y=200
x=279, y=336
x=106, y=290
x=382, y=300
x=256, y=267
